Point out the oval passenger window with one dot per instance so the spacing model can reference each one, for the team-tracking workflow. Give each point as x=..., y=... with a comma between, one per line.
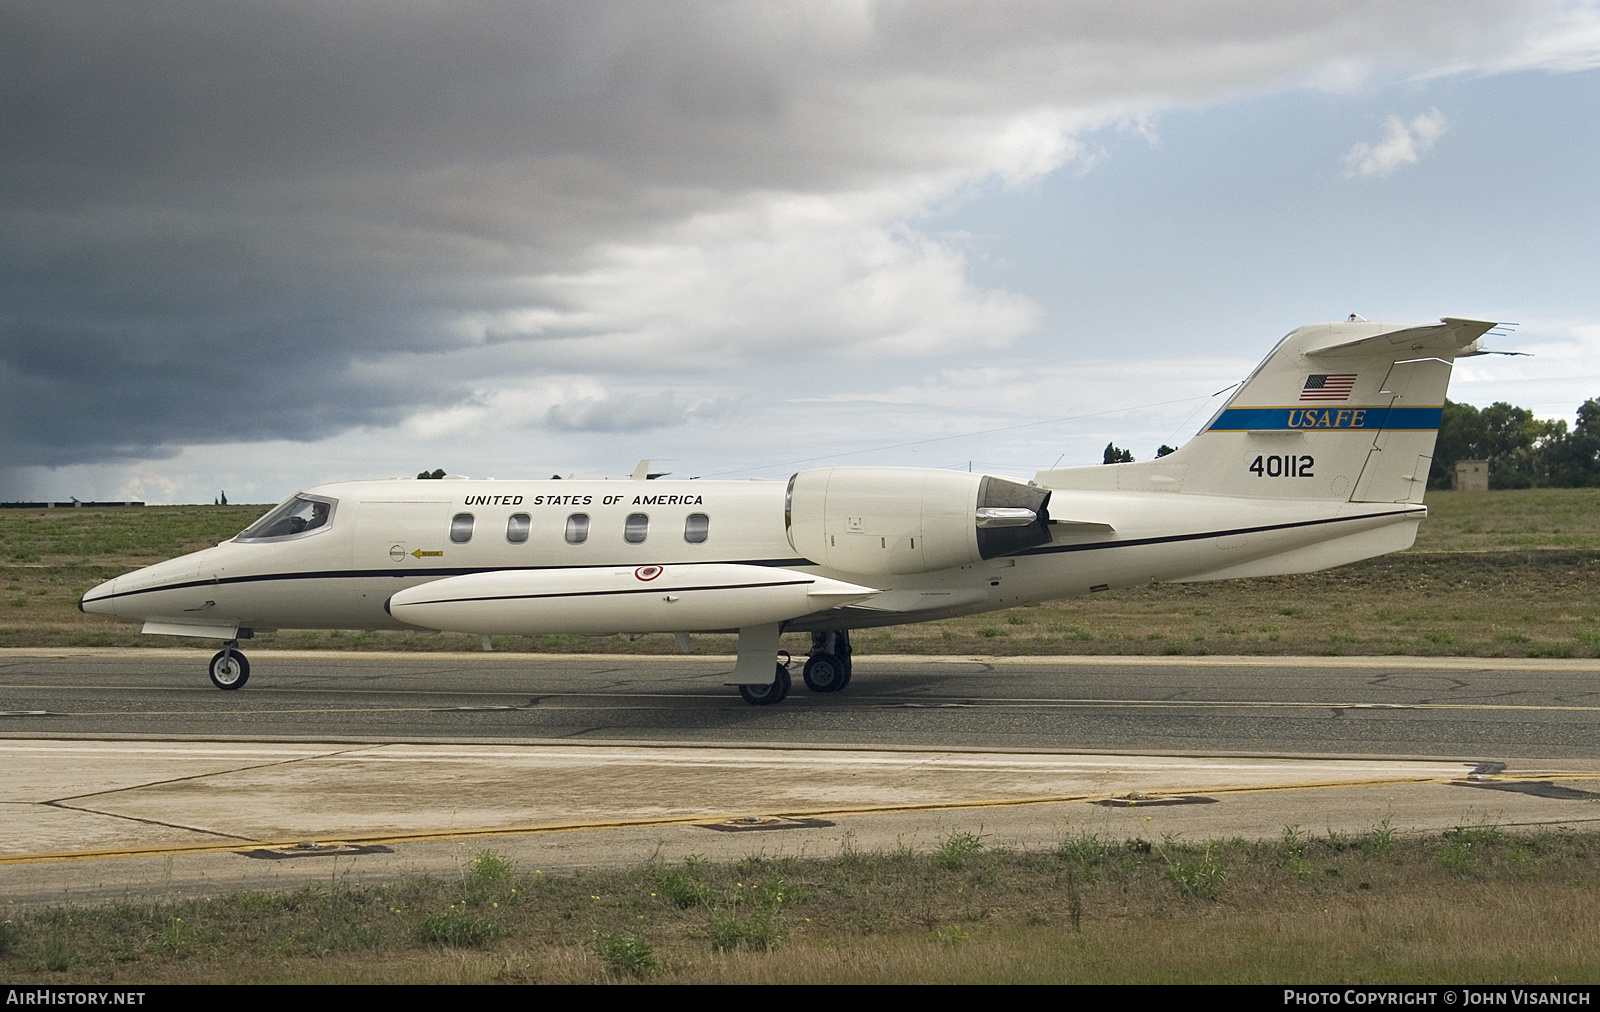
x=461, y=528
x=635, y=528
x=577, y=528
x=696, y=527
x=517, y=528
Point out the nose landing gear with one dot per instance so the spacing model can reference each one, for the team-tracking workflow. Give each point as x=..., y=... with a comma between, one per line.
x=229, y=668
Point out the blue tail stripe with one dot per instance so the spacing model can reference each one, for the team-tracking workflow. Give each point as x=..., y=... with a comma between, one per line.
x=1314, y=417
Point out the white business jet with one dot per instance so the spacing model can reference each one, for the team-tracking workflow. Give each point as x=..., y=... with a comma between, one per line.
x=1318, y=459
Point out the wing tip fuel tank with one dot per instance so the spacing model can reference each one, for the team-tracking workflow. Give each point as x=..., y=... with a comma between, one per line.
x=615, y=599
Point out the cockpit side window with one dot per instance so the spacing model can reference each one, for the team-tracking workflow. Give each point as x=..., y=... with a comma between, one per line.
x=299, y=515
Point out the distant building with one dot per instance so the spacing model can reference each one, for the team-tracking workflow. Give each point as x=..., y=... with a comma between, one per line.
x=1471, y=476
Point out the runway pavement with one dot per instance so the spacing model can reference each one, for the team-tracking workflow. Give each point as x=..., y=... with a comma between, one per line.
x=1456, y=707
x=126, y=772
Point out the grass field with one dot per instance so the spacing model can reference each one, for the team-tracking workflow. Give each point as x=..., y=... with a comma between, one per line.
x=1512, y=573
x=1473, y=905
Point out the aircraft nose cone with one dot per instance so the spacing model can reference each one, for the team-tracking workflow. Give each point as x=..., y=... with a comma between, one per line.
x=100, y=600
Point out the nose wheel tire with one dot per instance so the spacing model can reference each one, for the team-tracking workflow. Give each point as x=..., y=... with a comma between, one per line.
x=826, y=673
x=229, y=669
x=766, y=695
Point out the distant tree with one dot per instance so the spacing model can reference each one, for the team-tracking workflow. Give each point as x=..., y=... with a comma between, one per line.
x=1116, y=456
x=1522, y=451
x=437, y=473
x=1516, y=443
x=223, y=501
x=1460, y=437
x=1573, y=461
x=1165, y=449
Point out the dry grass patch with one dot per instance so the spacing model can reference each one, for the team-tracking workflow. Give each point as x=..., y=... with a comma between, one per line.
x=1471, y=905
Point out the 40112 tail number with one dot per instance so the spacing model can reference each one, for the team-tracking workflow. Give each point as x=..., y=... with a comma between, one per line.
x=1286, y=466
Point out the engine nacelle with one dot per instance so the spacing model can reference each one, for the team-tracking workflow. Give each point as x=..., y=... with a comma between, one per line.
x=881, y=520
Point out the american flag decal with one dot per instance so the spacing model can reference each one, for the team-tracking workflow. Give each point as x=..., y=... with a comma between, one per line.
x=1328, y=387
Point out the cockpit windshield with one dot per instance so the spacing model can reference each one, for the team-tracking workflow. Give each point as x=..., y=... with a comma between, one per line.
x=301, y=514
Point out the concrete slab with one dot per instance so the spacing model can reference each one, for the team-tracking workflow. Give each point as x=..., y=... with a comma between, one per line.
x=50, y=771
x=263, y=792
x=558, y=807
x=23, y=827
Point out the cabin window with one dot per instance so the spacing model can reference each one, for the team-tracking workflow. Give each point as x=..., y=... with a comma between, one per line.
x=577, y=528
x=461, y=528
x=695, y=528
x=302, y=514
x=517, y=528
x=635, y=528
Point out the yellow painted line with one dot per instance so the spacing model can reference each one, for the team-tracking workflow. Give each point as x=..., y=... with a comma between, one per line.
x=422, y=836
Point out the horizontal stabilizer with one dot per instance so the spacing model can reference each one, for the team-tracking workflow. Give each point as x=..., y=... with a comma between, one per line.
x=1450, y=336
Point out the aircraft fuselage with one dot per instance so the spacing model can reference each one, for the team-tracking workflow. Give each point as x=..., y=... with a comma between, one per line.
x=384, y=537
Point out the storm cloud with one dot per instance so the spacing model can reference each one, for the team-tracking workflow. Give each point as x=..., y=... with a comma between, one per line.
x=252, y=221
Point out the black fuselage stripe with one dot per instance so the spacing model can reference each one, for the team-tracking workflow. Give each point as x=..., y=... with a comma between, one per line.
x=357, y=574
x=606, y=593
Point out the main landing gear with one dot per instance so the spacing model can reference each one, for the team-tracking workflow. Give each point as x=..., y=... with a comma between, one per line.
x=766, y=695
x=758, y=682
x=229, y=668
x=828, y=666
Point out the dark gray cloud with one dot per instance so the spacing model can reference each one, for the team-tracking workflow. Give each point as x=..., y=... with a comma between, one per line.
x=255, y=221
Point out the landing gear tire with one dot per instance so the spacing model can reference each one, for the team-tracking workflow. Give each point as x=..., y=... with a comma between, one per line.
x=828, y=667
x=229, y=669
x=826, y=673
x=766, y=695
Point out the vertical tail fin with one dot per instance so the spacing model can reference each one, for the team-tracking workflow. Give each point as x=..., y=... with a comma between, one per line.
x=1338, y=411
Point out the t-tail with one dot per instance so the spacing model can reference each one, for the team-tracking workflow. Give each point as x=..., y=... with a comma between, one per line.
x=1340, y=412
